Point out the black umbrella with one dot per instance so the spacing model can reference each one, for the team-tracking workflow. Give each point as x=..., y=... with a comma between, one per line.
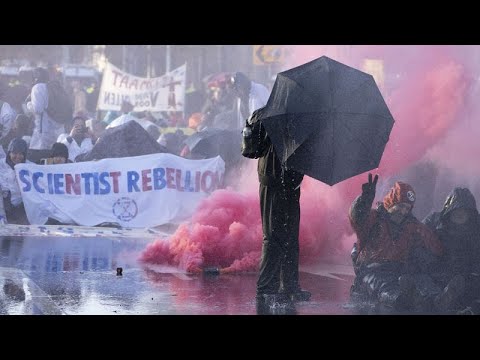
x=213, y=142
x=327, y=120
x=129, y=139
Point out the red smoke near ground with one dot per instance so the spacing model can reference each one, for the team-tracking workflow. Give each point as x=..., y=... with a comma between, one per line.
x=225, y=231
x=425, y=89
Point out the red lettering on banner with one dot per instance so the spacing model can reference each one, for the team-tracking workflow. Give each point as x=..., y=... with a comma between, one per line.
x=116, y=73
x=146, y=180
x=115, y=176
x=75, y=185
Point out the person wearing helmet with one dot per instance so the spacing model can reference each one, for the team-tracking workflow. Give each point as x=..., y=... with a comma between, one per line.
x=386, y=239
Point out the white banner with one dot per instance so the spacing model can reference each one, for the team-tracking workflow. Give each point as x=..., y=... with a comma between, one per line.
x=140, y=191
x=164, y=93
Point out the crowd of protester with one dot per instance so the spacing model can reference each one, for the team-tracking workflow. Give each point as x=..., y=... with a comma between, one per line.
x=31, y=131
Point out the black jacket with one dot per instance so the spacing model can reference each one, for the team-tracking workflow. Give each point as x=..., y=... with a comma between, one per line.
x=462, y=243
x=270, y=170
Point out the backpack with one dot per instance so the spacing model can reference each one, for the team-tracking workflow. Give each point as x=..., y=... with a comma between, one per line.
x=254, y=144
x=59, y=107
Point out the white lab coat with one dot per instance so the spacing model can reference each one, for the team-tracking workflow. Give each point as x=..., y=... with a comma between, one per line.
x=7, y=118
x=46, y=130
x=73, y=148
x=8, y=181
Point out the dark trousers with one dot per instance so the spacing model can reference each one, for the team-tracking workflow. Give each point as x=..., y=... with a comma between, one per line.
x=280, y=211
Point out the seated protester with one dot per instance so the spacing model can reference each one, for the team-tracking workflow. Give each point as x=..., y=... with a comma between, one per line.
x=59, y=155
x=458, y=228
x=386, y=237
x=79, y=141
x=14, y=209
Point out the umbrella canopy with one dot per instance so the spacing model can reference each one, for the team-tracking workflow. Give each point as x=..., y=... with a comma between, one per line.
x=327, y=120
x=129, y=139
x=212, y=142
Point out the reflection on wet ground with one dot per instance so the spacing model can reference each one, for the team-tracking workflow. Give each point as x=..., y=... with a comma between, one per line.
x=59, y=275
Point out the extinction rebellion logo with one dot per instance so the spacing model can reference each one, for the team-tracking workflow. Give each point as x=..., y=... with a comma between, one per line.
x=411, y=196
x=125, y=209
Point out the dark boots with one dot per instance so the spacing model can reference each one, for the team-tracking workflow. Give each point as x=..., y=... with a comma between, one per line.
x=274, y=304
x=301, y=295
x=298, y=295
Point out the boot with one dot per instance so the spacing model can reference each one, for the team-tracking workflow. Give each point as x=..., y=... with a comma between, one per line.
x=274, y=304
x=297, y=295
x=301, y=295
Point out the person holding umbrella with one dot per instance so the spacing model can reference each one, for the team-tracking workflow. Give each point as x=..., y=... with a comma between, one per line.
x=322, y=119
x=280, y=211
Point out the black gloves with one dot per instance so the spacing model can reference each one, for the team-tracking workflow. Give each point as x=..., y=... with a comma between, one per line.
x=368, y=189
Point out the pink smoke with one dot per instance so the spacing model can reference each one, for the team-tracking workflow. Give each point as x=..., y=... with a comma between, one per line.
x=425, y=89
x=226, y=232
x=424, y=110
x=459, y=150
x=226, y=228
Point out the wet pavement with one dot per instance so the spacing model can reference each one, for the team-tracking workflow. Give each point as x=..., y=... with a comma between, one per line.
x=75, y=275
